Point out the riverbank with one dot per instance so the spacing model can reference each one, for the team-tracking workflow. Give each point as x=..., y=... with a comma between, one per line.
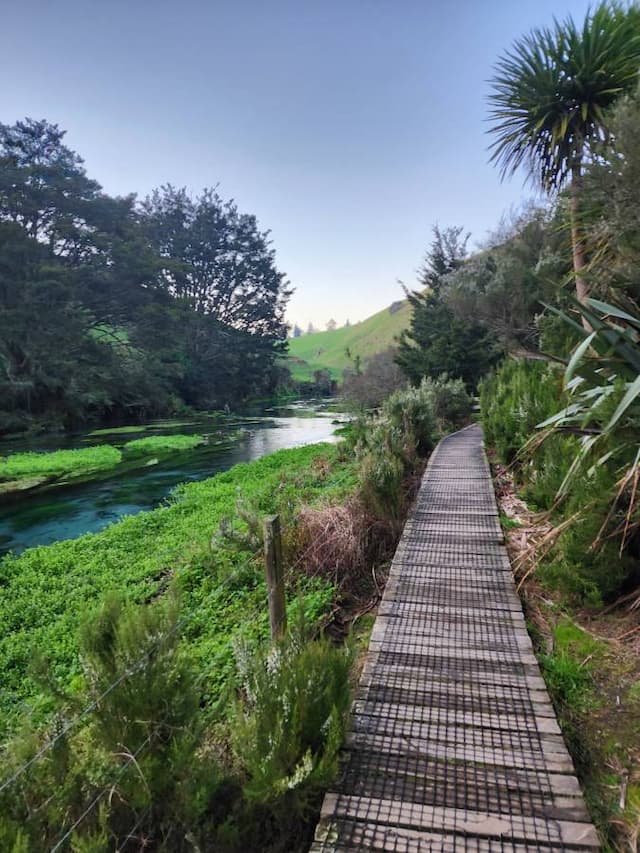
x=142, y=652
x=47, y=591
x=89, y=502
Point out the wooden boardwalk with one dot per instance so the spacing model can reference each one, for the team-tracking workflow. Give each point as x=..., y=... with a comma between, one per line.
x=453, y=744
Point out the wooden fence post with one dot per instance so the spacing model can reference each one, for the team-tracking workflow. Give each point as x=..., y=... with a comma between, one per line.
x=275, y=579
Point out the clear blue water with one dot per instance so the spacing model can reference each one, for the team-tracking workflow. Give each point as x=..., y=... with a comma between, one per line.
x=70, y=511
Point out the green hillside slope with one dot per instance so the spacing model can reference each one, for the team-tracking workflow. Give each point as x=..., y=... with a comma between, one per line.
x=328, y=350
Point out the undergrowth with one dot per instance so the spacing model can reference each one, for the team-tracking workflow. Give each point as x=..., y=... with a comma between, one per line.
x=217, y=740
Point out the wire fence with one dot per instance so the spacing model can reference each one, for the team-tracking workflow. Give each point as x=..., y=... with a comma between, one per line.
x=75, y=721
x=133, y=757
x=134, y=668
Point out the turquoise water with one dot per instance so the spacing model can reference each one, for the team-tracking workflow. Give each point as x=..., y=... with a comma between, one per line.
x=70, y=511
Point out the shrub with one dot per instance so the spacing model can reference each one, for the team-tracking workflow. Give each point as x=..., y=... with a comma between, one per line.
x=514, y=399
x=448, y=400
x=410, y=413
x=288, y=726
x=140, y=741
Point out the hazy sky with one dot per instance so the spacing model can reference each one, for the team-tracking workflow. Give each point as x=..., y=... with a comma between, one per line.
x=349, y=127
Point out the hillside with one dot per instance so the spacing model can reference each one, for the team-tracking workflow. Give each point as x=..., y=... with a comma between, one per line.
x=328, y=350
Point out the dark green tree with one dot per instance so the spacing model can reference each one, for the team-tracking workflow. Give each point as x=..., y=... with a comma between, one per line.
x=437, y=342
x=220, y=269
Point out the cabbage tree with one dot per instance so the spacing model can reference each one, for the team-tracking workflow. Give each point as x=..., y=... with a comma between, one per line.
x=550, y=101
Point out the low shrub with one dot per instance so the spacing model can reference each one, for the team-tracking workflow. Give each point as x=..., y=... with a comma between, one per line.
x=587, y=562
x=448, y=400
x=288, y=726
x=136, y=753
x=409, y=413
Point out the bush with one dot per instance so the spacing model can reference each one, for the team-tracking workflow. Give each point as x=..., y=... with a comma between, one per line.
x=586, y=562
x=140, y=741
x=287, y=730
x=514, y=399
x=448, y=400
x=288, y=726
x=410, y=414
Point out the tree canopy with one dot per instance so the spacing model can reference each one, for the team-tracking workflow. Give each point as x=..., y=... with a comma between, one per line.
x=110, y=307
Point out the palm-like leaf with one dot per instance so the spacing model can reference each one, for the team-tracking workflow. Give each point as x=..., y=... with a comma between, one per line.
x=605, y=363
x=551, y=92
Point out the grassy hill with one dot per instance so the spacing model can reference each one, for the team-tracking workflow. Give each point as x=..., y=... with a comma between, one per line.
x=328, y=350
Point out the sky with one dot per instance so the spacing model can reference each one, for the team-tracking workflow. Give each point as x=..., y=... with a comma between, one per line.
x=348, y=127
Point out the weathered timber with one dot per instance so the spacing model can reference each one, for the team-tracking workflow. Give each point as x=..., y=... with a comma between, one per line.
x=453, y=742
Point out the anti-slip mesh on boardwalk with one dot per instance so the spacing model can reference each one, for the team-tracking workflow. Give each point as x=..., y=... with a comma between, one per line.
x=453, y=743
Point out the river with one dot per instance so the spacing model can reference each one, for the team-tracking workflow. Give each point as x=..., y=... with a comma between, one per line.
x=70, y=511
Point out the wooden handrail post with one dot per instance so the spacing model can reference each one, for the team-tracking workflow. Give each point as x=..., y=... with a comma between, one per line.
x=275, y=576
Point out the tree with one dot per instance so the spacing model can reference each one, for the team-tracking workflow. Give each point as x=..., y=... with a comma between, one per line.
x=611, y=195
x=220, y=270
x=331, y=325
x=111, y=309
x=503, y=287
x=380, y=378
x=296, y=331
x=551, y=96
x=436, y=342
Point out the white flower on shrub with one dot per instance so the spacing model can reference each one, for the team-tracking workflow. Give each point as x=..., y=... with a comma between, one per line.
x=303, y=770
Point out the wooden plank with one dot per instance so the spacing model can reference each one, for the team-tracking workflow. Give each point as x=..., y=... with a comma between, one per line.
x=475, y=754
x=451, y=732
x=432, y=691
x=340, y=836
x=454, y=743
x=498, y=826
x=440, y=716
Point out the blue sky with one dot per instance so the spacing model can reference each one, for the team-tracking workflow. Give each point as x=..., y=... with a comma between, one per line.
x=349, y=127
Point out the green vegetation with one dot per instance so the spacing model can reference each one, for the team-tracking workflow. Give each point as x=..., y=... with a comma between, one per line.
x=159, y=623
x=565, y=414
x=126, y=430
x=242, y=779
x=47, y=590
x=437, y=340
x=289, y=728
x=337, y=350
x=143, y=307
x=21, y=471
x=552, y=98
x=59, y=462
x=160, y=444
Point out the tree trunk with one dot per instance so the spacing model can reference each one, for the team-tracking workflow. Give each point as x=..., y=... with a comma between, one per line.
x=577, y=242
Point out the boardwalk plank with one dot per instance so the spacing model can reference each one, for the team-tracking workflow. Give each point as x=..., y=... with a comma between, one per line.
x=453, y=743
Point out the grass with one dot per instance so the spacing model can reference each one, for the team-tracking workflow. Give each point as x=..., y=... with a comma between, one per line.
x=47, y=591
x=328, y=350
x=59, y=462
x=568, y=669
x=160, y=444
